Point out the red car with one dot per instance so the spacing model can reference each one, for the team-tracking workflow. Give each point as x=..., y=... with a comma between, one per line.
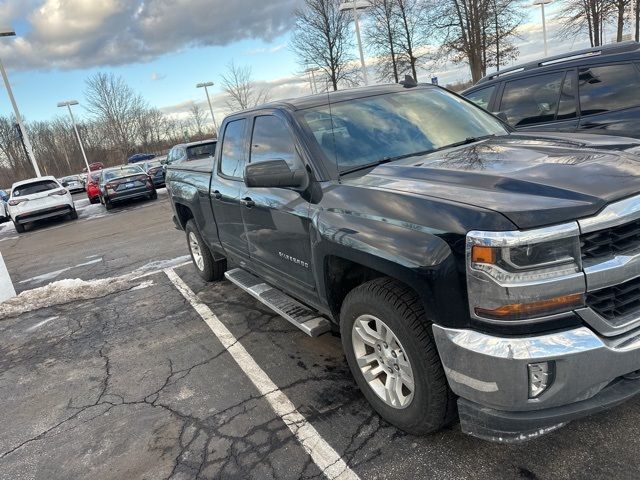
x=93, y=187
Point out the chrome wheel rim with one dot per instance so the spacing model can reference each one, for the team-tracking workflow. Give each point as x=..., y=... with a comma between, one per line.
x=383, y=361
x=196, y=252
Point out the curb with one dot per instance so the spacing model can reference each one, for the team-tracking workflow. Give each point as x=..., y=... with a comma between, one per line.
x=6, y=286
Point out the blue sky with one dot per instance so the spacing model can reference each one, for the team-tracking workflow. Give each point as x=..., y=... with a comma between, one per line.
x=163, y=52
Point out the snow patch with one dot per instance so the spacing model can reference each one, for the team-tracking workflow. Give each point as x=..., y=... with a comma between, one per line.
x=145, y=284
x=63, y=291
x=162, y=264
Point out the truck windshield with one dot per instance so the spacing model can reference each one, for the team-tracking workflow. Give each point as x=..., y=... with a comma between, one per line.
x=365, y=131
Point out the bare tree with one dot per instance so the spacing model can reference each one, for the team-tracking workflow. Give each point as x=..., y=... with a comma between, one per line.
x=116, y=105
x=413, y=32
x=197, y=116
x=478, y=32
x=242, y=91
x=322, y=39
x=580, y=16
x=382, y=32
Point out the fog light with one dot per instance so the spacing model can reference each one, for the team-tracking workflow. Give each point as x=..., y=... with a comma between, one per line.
x=540, y=377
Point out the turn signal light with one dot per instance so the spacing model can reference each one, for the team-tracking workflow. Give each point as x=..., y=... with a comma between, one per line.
x=517, y=311
x=480, y=254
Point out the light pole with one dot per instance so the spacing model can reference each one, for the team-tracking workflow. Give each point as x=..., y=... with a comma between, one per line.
x=68, y=104
x=356, y=5
x=205, y=85
x=7, y=32
x=542, y=3
x=312, y=80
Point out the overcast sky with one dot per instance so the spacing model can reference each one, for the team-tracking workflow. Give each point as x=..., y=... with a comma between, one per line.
x=163, y=48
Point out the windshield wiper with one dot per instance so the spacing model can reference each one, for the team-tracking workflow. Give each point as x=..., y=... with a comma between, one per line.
x=466, y=141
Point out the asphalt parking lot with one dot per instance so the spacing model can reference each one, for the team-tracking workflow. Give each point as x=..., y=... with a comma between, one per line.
x=139, y=369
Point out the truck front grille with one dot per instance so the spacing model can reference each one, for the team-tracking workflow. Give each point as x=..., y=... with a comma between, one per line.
x=610, y=241
x=616, y=302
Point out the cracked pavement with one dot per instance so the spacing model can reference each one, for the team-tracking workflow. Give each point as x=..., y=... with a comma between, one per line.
x=135, y=385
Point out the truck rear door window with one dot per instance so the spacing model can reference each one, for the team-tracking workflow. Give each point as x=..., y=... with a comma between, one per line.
x=232, y=156
x=272, y=140
x=608, y=87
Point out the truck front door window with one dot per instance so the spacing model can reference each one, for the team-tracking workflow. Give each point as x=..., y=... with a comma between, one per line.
x=272, y=140
x=232, y=156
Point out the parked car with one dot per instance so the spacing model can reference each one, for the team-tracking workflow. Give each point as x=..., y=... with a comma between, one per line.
x=94, y=166
x=186, y=152
x=156, y=170
x=93, y=186
x=465, y=265
x=73, y=183
x=596, y=90
x=37, y=199
x=124, y=183
x=140, y=157
x=4, y=211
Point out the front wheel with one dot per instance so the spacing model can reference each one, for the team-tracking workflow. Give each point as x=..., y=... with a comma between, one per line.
x=73, y=215
x=208, y=268
x=391, y=353
x=107, y=204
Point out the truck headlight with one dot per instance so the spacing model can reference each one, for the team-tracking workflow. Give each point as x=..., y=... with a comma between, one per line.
x=525, y=274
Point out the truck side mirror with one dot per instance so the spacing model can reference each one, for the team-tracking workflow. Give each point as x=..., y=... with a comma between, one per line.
x=273, y=174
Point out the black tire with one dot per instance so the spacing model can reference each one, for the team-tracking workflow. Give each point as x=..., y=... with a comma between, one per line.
x=107, y=204
x=94, y=200
x=73, y=215
x=19, y=228
x=433, y=405
x=211, y=270
x=153, y=195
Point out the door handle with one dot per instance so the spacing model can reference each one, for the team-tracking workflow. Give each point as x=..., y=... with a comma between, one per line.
x=247, y=202
x=216, y=194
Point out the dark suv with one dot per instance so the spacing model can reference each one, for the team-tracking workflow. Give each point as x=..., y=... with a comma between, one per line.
x=597, y=89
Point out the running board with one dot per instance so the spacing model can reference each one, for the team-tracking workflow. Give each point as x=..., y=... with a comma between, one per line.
x=305, y=319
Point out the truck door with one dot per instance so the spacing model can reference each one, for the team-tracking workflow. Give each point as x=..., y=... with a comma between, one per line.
x=277, y=219
x=227, y=186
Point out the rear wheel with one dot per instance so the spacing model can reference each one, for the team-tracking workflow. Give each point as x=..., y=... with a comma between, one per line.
x=208, y=268
x=389, y=346
x=153, y=196
x=19, y=227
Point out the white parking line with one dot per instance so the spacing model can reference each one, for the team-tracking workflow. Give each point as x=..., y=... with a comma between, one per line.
x=323, y=455
x=39, y=324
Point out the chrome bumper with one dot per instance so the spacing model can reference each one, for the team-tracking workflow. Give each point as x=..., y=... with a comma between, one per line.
x=493, y=370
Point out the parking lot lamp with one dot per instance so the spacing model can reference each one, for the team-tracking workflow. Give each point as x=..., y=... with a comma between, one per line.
x=205, y=85
x=542, y=3
x=356, y=5
x=68, y=104
x=8, y=32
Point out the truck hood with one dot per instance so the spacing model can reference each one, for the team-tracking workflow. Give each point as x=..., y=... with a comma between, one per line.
x=532, y=180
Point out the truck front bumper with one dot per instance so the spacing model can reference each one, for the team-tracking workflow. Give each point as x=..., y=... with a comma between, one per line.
x=491, y=375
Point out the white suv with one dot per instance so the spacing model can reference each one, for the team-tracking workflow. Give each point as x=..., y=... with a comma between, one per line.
x=39, y=198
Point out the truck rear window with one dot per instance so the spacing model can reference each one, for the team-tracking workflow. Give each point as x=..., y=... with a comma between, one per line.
x=35, y=187
x=204, y=150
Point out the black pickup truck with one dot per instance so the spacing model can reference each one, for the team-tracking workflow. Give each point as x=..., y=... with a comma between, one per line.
x=472, y=272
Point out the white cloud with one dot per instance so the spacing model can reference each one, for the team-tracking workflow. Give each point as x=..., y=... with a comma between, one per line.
x=155, y=76
x=69, y=34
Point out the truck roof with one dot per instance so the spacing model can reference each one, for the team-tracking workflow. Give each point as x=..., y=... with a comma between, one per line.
x=319, y=99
